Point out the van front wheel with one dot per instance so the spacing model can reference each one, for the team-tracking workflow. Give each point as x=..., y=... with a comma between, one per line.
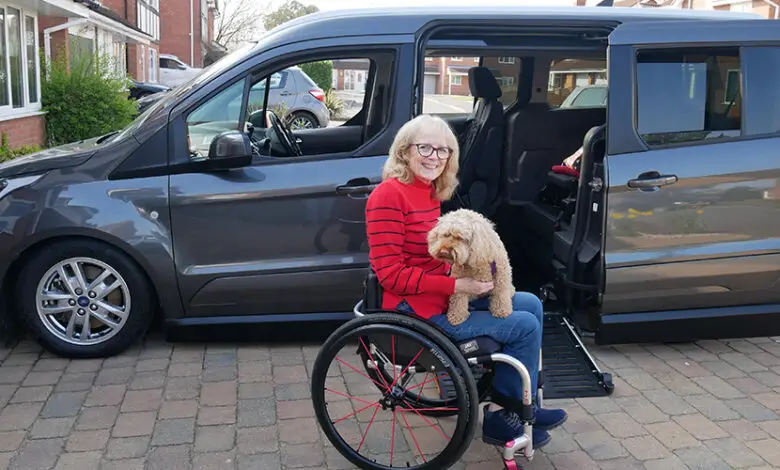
x=84, y=299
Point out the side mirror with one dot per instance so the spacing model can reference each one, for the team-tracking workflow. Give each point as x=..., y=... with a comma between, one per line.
x=230, y=149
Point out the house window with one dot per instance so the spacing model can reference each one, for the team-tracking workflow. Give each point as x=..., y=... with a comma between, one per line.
x=456, y=59
x=456, y=79
x=149, y=17
x=19, y=67
x=506, y=60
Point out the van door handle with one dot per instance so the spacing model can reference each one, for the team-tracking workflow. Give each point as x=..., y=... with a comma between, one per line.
x=356, y=186
x=651, y=180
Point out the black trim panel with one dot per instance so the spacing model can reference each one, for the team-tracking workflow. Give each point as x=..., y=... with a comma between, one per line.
x=690, y=325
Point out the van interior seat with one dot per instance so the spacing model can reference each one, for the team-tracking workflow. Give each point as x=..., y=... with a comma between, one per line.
x=541, y=137
x=481, y=147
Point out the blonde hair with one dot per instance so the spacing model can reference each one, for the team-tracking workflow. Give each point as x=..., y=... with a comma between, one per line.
x=397, y=165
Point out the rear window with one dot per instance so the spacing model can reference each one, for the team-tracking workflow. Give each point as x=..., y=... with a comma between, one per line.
x=577, y=83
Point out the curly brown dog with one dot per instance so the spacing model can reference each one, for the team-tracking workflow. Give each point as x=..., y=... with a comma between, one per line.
x=468, y=241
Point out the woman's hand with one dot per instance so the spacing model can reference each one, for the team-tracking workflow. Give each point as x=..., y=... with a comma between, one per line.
x=471, y=286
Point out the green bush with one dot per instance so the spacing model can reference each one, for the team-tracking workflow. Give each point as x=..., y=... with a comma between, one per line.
x=7, y=153
x=321, y=72
x=85, y=99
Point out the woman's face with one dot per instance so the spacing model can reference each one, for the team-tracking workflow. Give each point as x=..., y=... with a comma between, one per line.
x=428, y=155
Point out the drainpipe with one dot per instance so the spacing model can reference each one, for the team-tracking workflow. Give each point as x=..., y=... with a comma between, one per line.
x=48, y=31
x=192, y=35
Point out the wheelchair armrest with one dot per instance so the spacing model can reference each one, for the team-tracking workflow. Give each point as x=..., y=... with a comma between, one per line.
x=372, y=293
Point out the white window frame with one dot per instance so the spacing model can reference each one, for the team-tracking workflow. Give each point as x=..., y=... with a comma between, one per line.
x=456, y=80
x=8, y=111
x=506, y=60
x=456, y=59
x=152, y=62
x=147, y=20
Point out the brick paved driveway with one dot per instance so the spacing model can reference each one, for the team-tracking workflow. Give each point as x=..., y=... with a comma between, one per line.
x=711, y=405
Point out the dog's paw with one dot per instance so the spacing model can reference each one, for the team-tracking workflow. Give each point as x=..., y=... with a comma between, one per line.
x=500, y=308
x=456, y=318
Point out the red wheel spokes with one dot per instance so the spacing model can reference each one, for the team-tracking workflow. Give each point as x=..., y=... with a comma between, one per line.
x=361, y=373
x=357, y=412
x=349, y=396
x=428, y=422
x=367, y=428
x=413, y=438
x=381, y=375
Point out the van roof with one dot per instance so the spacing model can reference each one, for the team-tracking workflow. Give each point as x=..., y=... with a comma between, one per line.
x=408, y=20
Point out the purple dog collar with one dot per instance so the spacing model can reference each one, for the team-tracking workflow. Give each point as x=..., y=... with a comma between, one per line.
x=493, y=268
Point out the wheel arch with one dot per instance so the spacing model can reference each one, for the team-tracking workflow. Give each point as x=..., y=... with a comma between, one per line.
x=37, y=243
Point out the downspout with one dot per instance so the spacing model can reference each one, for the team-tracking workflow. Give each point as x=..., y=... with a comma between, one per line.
x=48, y=31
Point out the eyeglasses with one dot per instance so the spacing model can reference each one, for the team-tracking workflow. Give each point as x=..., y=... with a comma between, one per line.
x=426, y=150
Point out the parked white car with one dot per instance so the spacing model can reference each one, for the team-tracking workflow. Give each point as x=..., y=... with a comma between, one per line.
x=174, y=72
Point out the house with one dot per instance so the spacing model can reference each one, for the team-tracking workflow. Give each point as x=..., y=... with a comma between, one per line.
x=767, y=8
x=188, y=31
x=125, y=30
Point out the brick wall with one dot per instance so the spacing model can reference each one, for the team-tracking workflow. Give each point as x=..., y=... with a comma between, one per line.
x=175, y=30
x=24, y=131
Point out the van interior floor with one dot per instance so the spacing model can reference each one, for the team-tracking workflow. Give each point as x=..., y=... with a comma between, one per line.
x=568, y=369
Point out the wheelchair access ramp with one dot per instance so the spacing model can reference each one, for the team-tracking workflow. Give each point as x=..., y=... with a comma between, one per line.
x=569, y=369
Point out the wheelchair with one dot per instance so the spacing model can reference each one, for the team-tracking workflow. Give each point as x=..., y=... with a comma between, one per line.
x=384, y=352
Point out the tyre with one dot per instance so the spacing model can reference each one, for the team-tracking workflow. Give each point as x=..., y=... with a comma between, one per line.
x=303, y=120
x=437, y=353
x=84, y=299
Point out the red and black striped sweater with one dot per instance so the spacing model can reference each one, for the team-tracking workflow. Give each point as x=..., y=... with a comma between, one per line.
x=398, y=218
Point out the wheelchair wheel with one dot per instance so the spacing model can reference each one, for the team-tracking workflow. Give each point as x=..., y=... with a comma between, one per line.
x=368, y=419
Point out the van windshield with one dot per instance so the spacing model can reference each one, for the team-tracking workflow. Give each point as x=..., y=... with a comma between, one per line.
x=208, y=73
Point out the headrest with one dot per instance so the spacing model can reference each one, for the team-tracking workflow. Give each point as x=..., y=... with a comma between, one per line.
x=483, y=84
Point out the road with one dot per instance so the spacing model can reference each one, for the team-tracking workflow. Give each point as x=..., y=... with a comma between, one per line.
x=433, y=104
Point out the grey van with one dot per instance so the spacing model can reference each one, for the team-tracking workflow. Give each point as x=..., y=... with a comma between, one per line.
x=212, y=215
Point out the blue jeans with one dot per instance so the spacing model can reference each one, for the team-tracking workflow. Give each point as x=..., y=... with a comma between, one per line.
x=520, y=333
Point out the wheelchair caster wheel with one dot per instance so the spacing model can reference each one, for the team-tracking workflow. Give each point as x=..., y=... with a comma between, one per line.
x=512, y=465
x=609, y=386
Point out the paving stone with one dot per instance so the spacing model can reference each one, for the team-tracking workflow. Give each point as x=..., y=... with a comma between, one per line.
x=621, y=425
x=171, y=458
x=670, y=463
x=80, y=441
x=770, y=379
x=174, y=431
x=598, y=405
x=75, y=382
x=218, y=393
x=641, y=409
x=127, y=447
x=770, y=400
x=31, y=394
x=711, y=407
x=701, y=427
x=701, y=458
x=768, y=449
x=689, y=368
x=561, y=442
x=600, y=445
x=214, y=438
x=257, y=440
x=639, y=379
x=298, y=430
x=678, y=383
x=19, y=416
x=147, y=380
x=256, y=461
x=212, y=415
x=645, y=448
x=42, y=378
x=125, y=464
x=254, y=353
x=771, y=427
x=695, y=352
x=11, y=440
x=294, y=409
x=215, y=461
x=623, y=463
x=134, y=424
x=178, y=409
x=734, y=453
x=751, y=410
x=98, y=417
x=302, y=455
x=723, y=369
x=142, y=400
x=295, y=391
x=256, y=390
x=748, y=385
x=260, y=412
x=742, y=362
x=185, y=369
x=671, y=435
x=289, y=374
x=51, y=427
x=13, y=374
x=579, y=421
x=219, y=374
x=39, y=453
x=744, y=430
x=182, y=388
x=79, y=461
x=668, y=402
x=64, y=404
x=577, y=460
x=105, y=395
x=718, y=387
x=120, y=375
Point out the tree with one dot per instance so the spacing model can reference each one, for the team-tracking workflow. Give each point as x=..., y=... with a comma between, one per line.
x=289, y=10
x=238, y=22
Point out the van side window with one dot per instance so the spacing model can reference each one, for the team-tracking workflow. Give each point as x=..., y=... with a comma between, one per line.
x=761, y=69
x=577, y=83
x=688, y=95
x=446, y=88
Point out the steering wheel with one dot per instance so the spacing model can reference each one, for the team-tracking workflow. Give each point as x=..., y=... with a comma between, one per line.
x=285, y=135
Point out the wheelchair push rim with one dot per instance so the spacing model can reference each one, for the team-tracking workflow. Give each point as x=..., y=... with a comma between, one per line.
x=405, y=450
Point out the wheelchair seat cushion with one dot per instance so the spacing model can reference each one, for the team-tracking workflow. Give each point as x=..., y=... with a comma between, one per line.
x=479, y=346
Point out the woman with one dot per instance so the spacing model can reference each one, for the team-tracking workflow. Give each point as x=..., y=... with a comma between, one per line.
x=419, y=174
